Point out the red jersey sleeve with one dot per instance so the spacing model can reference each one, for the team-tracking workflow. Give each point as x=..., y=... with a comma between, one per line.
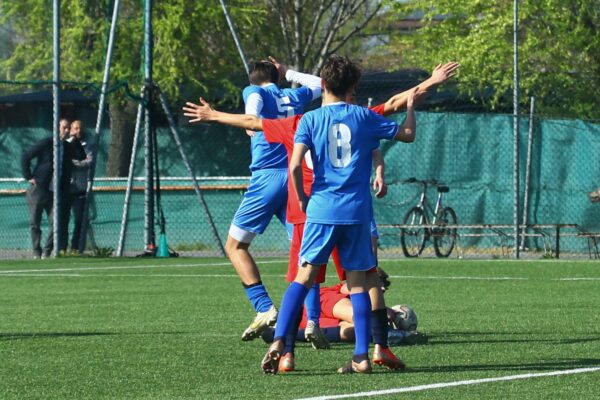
x=379, y=109
x=281, y=130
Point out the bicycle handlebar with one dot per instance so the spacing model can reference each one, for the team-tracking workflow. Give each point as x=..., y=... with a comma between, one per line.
x=426, y=182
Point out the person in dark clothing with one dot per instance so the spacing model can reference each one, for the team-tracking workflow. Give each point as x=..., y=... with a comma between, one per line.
x=81, y=166
x=39, y=194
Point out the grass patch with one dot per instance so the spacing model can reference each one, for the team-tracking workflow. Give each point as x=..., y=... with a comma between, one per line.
x=169, y=329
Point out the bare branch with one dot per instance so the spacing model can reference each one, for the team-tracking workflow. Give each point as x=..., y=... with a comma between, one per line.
x=283, y=25
x=298, y=60
x=352, y=11
x=331, y=32
x=323, y=5
x=339, y=43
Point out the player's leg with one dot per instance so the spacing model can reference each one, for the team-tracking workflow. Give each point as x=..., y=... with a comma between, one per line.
x=313, y=332
x=382, y=354
x=317, y=242
x=361, y=311
x=243, y=263
x=291, y=305
x=262, y=200
x=347, y=332
x=356, y=255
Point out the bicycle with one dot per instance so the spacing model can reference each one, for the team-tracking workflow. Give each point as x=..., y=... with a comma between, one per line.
x=417, y=227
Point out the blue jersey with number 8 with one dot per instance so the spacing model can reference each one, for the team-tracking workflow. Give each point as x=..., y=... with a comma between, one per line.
x=341, y=138
x=277, y=103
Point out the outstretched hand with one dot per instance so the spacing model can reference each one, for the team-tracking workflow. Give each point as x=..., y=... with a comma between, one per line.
x=198, y=112
x=441, y=73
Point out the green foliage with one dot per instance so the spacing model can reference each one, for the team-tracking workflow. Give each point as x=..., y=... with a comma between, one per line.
x=193, y=48
x=559, y=53
x=103, y=252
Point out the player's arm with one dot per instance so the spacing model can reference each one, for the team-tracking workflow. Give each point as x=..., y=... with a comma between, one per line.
x=379, y=185
x=440, y=74
x=296, y=174
x=203, y=112
x=407, y=131
x=310, y=81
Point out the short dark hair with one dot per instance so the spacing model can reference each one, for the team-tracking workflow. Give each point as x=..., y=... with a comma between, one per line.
x=263, y=72
x=340, y=75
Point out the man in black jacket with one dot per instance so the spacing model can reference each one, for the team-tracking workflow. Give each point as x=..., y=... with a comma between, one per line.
x=39, y=194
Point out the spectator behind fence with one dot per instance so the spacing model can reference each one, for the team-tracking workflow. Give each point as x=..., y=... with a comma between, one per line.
x=39, y=195
x=81, y=164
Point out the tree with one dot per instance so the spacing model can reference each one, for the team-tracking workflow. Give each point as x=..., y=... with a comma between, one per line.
x=559, y=52
x=313, y=30
x=193, y=51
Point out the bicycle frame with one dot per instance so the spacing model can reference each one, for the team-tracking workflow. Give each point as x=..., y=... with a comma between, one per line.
x=424, y=205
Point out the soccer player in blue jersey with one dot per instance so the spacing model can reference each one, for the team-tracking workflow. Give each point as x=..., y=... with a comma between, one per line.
x=341, y=138
x=267, y=194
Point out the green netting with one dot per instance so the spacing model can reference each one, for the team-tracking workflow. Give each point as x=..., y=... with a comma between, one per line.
x=472, y=153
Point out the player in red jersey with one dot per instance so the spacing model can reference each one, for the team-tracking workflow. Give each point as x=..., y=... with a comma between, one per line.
x=282, y=131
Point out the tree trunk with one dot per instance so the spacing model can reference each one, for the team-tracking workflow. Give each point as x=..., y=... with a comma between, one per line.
x=122, y=123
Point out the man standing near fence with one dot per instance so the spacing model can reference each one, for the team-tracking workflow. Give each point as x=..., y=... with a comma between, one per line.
x=39, y=194
x=267, y=194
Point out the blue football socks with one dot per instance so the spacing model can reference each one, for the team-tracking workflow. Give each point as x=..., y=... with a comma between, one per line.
x=258, y=296
x=291, y=304
x=313, y=304
x=361, y=306
x=290, y=337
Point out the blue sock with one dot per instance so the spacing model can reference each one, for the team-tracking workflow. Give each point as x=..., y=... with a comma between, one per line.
x=291, y=304
x=290, y=337
x=258, y=296
x=361, y=308
x=313, y=303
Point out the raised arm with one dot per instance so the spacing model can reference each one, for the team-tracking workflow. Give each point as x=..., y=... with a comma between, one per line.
x=311, y=81
x=407, y=131
x=441, y=73
x=203, y=112
x=296, y=174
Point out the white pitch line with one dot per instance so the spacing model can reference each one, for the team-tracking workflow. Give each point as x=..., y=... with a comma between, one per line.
x=578, y=279
x=473, y=278
x=129, y=275
x=49, y=273
x=442, y=385
x=127, y=267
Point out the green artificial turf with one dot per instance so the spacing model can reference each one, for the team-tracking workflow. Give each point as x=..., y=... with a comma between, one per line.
x=170, y=329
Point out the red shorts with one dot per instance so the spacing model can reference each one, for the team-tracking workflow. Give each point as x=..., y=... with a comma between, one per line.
x=295, y=254
x=297, y=233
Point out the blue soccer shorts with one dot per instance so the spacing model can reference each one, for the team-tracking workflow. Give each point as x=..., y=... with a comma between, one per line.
x=266, y=197
x=374, y=232
x=353, y=243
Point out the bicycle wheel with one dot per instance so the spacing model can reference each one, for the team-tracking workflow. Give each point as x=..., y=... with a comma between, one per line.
x=444, y=238
x=413, y=238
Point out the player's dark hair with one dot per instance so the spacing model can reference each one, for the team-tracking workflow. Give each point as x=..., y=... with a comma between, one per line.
x=263, y=72
x=340, y=75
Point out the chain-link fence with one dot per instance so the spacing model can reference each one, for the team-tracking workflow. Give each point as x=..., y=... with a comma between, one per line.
x=471, y=153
